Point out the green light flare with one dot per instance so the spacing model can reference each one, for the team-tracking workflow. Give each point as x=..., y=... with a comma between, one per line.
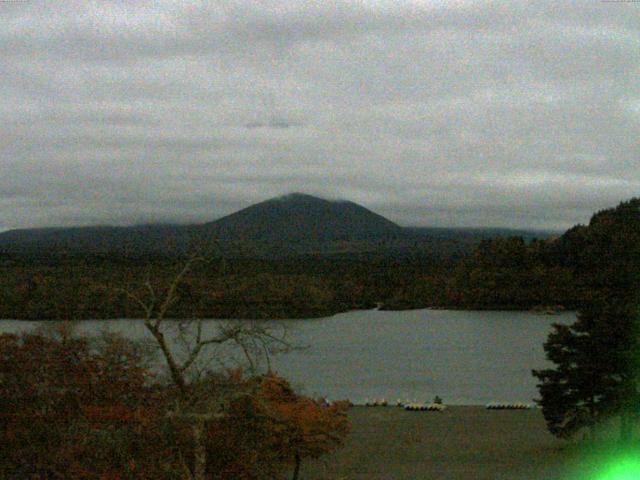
x=603, y=461
x=625, y=468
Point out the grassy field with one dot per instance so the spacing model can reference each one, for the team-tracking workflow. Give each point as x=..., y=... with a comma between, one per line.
x=462, y=443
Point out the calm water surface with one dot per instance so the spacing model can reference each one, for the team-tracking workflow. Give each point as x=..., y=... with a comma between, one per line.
x=464, y=357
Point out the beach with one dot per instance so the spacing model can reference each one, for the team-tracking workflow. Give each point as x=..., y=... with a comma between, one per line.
x=461, y=443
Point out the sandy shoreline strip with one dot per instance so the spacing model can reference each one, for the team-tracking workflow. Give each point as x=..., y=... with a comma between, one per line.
x=461, y=443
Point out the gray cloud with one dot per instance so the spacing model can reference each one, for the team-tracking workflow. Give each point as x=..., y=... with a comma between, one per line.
x=519, y=114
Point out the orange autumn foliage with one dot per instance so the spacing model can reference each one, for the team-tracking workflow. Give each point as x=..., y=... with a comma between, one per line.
x=306, y=427
x=272, y=427
x=68, y=410
x=71, y=410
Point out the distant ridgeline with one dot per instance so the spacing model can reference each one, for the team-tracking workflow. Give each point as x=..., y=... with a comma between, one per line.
x=302, y=256
x=295, y=224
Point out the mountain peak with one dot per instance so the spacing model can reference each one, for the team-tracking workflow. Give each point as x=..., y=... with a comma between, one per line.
x=303, y=217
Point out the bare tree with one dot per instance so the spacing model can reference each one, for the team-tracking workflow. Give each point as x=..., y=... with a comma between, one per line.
x=255, y=340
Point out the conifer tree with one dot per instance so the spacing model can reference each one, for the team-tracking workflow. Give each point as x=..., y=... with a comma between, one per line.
x=596, y=372
x=597, y=358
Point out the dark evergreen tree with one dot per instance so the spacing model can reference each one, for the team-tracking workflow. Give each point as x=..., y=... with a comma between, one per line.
x=595, y=373
x=596, y=358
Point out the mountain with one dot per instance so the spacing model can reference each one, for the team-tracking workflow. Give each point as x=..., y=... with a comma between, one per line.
x=294, y=224
x=298, y=217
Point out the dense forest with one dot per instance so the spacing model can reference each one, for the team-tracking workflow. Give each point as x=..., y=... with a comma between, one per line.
x=491, y=273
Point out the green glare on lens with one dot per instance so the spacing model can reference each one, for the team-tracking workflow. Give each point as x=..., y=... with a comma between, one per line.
x=622, y=469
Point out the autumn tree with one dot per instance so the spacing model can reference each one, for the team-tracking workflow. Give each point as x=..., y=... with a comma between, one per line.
x=81, y=408
x=196, y=405
x=304, y=427
x=272, y=430
x=77, y=409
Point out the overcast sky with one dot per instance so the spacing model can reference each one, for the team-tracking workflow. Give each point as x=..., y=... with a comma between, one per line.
x=441, y=113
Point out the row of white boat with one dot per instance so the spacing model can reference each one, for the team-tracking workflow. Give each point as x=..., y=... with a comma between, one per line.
x=439, y=407
x=412, y=406
x=508, y=406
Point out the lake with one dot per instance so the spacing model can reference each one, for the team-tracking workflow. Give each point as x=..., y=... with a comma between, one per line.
x=465, y=357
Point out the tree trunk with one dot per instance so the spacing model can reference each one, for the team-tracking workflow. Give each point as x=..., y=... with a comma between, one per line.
x=296, y=470
x=174, y=370
x=199, y=451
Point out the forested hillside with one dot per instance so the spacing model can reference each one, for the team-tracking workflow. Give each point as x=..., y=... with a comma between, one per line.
x=507, y=273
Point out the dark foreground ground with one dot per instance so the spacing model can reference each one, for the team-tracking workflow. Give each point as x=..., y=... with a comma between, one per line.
x=464, y=442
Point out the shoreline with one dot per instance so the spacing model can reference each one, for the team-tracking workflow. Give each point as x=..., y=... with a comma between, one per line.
x=461, y=443
x=534, y=311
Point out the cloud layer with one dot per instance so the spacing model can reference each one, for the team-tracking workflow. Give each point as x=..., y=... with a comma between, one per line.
x=441, y=113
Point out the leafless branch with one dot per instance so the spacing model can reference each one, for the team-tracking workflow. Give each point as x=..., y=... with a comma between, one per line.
x=255, y=341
